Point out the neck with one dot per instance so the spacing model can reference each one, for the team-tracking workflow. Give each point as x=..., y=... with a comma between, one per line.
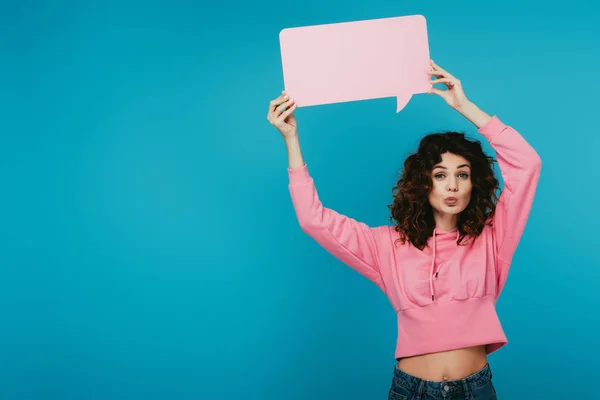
x=445, y=222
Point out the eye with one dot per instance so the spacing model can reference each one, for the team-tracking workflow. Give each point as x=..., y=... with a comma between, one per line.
x=462, y=175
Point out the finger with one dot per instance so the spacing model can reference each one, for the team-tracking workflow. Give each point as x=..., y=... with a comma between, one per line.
x=276, y=102
x=277, y=112
x=439, y=92
x=440, y=70
x=446, y=81
x=284, y=115
x=437, y=74
x=437, y=67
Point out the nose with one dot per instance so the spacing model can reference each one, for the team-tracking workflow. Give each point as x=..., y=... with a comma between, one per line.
x=452, y=185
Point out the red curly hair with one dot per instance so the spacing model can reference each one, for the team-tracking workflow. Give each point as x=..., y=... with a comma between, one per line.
x=411, y=208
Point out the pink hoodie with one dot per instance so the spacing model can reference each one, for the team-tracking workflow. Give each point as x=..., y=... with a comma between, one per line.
x=444, y=296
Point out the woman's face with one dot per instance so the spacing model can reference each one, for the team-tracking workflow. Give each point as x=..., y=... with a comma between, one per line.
x=451, y=190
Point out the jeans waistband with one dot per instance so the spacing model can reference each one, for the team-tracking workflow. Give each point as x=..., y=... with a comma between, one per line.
x=442, y=388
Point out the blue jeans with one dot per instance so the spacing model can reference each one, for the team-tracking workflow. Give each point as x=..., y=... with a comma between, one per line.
x=478, y=386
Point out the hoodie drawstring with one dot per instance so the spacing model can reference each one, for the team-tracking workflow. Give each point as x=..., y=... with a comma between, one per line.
x=433, y=264
x=431, y=269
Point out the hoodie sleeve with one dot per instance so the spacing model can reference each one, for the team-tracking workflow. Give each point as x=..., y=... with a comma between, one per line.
x=352, y=242
x=520, y=167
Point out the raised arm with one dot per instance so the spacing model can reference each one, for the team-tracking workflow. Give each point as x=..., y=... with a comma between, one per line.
x=520, y=166
x=519, y=163
x=352, y=242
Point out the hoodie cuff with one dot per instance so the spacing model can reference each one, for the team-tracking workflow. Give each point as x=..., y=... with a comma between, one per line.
x=299, y=175
x=492, y=128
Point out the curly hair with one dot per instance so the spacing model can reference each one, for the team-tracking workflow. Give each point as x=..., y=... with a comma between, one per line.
x=411, y=208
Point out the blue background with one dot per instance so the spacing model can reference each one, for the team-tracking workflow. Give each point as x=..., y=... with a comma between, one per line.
x=148, y=245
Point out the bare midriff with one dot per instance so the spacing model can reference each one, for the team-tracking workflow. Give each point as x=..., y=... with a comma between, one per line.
x=447, y=365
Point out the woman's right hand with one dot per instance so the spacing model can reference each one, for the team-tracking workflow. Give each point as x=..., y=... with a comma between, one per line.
x=284, y=121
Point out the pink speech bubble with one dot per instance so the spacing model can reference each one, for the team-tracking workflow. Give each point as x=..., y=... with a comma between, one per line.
x=348, y=61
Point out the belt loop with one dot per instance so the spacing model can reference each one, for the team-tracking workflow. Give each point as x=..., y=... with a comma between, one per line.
x=467, y=389
x=420, y=389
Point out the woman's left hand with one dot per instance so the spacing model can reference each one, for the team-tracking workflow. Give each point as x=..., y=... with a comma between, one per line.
x=454, y=95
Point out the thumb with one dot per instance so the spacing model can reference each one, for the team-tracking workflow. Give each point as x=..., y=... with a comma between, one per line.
x=442, y=93
x=436, y=91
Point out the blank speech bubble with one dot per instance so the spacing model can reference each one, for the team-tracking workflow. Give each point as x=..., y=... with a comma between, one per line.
x=360, y=60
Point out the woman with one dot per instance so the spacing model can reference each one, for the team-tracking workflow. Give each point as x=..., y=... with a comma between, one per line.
x=445, y=262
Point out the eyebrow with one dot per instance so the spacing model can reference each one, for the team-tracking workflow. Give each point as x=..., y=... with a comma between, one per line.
x=460, y=166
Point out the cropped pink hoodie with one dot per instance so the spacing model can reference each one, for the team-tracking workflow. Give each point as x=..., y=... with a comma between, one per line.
x=444, y=295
